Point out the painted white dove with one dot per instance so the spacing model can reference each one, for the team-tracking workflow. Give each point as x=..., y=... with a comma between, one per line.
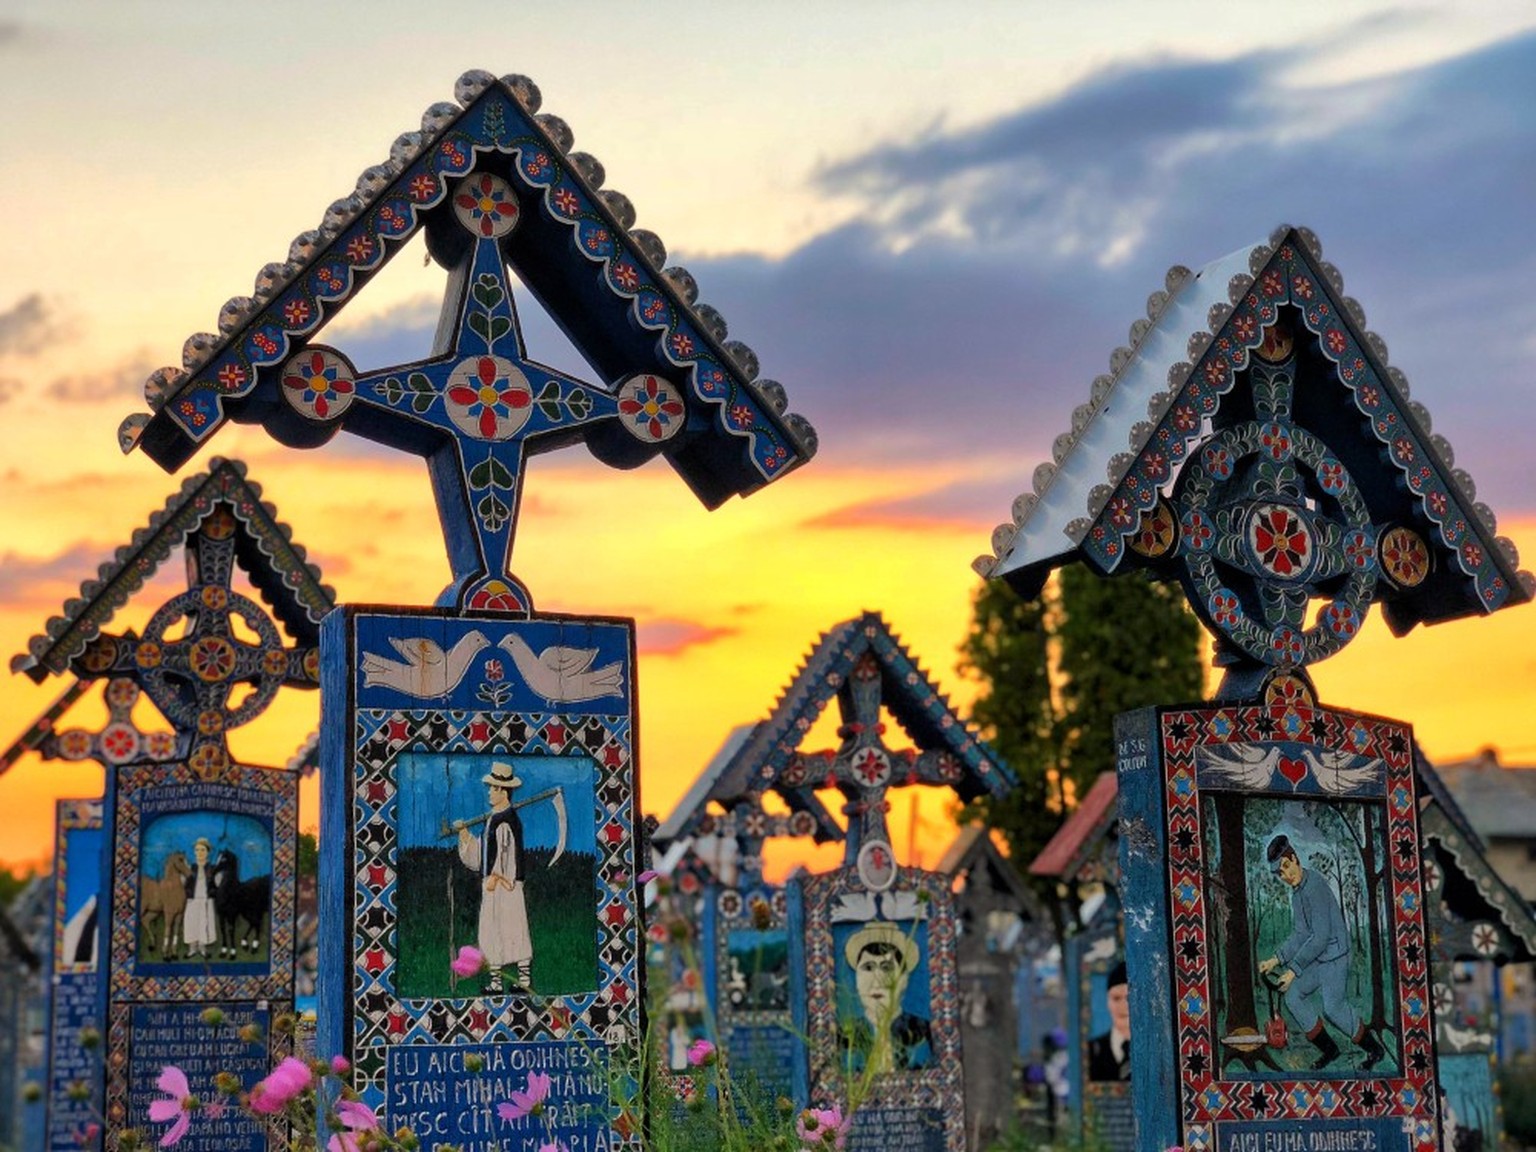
x=564, y=674
x=427, y=670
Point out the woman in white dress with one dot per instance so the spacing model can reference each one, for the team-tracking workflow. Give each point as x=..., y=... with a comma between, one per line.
x=497, y=854
x=199, y=926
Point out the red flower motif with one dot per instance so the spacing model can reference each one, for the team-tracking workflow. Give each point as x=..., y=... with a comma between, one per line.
x=297, y=312
x=1273, y=284
x=626, y=276
x=1336, y=341
x=652, y=407
x=682, y=344
x=360, y=249
x=423, y=187
x=232, y=375
x=493, y=394
x=489, y=204
x=740, y=416
x=566, y=201
x=1302, y=288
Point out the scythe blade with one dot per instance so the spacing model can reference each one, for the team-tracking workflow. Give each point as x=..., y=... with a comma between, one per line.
x=558, y=799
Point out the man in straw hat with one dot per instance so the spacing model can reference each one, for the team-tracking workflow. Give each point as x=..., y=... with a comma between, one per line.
x=498, y=856
x=884, y=1036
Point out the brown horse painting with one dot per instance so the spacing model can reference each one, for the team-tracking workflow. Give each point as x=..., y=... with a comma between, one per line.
x=166, y=898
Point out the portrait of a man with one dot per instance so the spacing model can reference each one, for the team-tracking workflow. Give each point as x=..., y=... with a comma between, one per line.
x=878, y=1029
x=1109, y=1053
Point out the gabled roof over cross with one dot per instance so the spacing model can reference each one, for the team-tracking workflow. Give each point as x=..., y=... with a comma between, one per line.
x=862, y=665
x=497, y=190
x=1252, y=439
x=191, y=673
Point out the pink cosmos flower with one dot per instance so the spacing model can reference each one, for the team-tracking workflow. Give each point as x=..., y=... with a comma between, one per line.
x=357, y=1117
x=647, y=876
x=340, y=1065
x=174, y=1106
x=822, y=1127
x=279, y=1089
x=529, y=1102
x=701, y=1052
x=554, y=1146
x=469, y=962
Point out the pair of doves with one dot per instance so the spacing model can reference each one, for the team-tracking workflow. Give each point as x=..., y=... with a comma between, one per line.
x=557, y=673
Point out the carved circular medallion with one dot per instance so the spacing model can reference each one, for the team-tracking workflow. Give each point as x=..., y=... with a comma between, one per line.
x=485, y=205
x=871, y=767
x=196, y=674
x=802, y=824
x=121, y=693
x=74, y=744
x=1272, y=529
x=1280, y=540
x=1404, y=557
x=99, y=654
x=1287, y=690
x=119, y=743
x=160, y=745
x=488, y=397
x=876, y=865
x=1157, y=533
x=212, y=659
x=220, y=524
x=319, y=384
x=650, y=408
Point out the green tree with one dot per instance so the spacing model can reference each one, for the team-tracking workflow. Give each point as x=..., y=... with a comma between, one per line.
x=1054, y=672
x=13, y=881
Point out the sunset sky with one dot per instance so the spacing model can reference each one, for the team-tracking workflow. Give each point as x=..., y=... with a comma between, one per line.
x=933, y=222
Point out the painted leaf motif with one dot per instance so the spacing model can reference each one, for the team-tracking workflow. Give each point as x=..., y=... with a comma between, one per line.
x=579, y=403
x=481, y=326
x=549, y=400
x=488, y=292
x=500, y=326
x=480, y=475
x=425, y=393
x=392, y=390
x=493, y=512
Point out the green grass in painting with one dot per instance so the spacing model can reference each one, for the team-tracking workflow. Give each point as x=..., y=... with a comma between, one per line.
x=562, y=918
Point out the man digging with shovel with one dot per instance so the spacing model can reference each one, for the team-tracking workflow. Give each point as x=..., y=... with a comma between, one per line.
x=1313, y=962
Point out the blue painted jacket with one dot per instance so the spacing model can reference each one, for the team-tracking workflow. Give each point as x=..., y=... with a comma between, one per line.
x=1318, y=933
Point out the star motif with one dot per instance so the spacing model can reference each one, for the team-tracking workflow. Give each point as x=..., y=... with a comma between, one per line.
x=612, y=833
x=378, y=876
x=1369, y=1100
x=479, y=1020
x=376, y=791
x=613, y=755
x=397, y=1023
x=1264, y=724
x=1184, y=840
x=398, y=731
x=1260, y=1100
x=1319, y=730
x=614, y=914
x=478, y=732
x=555, y=733
x=1190, y=949
x=1396, y=744
x=1196, y=1063
x=1413, y=953
x=619, y=992
x=1418, y=1061
x=1405, y=845
x=1178, y=731
x=373, y=961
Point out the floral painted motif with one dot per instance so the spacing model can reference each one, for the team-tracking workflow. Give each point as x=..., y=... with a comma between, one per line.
x=318, y=384
x=650, y=408
x=1404, y=557
x=1281, y=540
x=485, y=205
x=488, y=397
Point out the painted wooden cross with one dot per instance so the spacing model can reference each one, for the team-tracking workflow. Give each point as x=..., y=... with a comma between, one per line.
x=194, y=674
x=477, y=407
x=863, y=769
x=751, y=826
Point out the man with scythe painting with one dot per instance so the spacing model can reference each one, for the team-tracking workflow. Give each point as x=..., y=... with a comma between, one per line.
x=498, y=854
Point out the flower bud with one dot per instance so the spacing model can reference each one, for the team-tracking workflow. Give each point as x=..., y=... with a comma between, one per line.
x=90, y=1038
x=251, y=1033
x=213, y=1017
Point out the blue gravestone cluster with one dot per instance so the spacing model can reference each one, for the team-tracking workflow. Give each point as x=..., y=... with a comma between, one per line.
x=1285, y=884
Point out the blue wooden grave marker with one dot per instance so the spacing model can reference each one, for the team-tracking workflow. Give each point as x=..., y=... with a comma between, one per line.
x=200, y=849
x=484, y=708
x=1252, y=443
x=72, y=999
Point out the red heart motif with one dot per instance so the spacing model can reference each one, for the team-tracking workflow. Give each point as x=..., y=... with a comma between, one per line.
x=1293, y=770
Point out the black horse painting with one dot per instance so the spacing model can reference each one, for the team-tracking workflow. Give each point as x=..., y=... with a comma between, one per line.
x=242, y=906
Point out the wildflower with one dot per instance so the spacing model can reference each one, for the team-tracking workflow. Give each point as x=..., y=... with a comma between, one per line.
x=90, y=1038
x=176, y=1106
x=279, y=1089
x=227, y=1083
x=529, y=1102
x=822, y=1127
x=212, y=1017
x=474, y=1062
x=283, y=1024
x=340, y=1065
x=77, y=1091
x=701, y=1052
x=32, y=1093
x=469, y=962
x=355, y=1117
x=250, y=1033
x=647, y=876
x=554, y=1146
